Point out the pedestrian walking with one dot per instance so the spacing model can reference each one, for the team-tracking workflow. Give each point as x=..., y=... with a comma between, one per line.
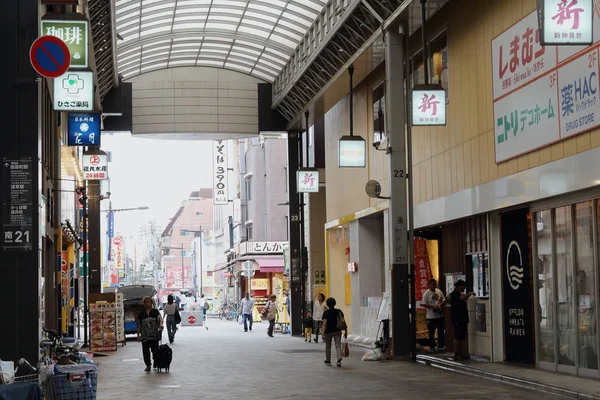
x=247, y=307
x=149, y=331
x=460, y=319
x=271, y=311
x=318, y=309
x=334, y=324
x=169, y=311
x=308, y=326
x=434, y=300
x=205, y=306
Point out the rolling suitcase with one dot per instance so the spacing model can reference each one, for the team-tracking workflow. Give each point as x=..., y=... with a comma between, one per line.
x=164, y=356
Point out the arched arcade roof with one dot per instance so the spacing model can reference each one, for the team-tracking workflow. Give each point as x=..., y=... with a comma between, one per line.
x=255, y=37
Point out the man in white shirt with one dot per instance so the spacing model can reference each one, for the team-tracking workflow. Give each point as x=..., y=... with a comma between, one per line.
x=247, y=307
x=434, y=301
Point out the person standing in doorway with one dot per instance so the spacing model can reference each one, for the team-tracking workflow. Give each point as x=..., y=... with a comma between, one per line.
x=331, y=331
x=148, y=331
x=247, y=307
x=318, y=309
x=169, y=311
x=271, y=312
x=434, y=301
x=460, y=319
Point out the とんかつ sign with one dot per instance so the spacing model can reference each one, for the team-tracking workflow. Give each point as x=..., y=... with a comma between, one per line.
x=95, y=166
x=84, y=130
x=220, y=196
x=428, y=105
x=566, y=22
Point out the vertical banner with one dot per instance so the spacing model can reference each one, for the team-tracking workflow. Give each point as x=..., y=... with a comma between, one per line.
x=517, y=291
x=220, y=196
x=117, y=252
x=120, y=318
x=422, y=268
x=64, y=289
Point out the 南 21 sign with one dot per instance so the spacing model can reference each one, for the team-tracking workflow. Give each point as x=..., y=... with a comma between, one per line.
x=566, y=22
x=220, y=196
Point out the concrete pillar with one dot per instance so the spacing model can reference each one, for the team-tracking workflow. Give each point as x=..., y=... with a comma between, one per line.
x=395, y=115
x=94, y=235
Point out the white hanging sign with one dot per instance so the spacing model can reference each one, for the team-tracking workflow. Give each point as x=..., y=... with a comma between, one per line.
x=220, y=196
x=566, y=22
x=308, y=181
x=428, y=105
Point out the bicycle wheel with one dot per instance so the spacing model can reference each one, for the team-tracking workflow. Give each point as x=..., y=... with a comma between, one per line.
x=230, y=316
x=221, y=314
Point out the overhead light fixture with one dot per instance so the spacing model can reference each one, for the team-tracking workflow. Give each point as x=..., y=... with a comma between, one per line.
x=352, y=149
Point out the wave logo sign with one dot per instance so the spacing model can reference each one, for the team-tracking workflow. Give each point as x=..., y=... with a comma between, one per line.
x=514, y=273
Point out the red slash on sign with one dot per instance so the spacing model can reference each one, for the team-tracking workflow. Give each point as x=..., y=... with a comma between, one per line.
x=192, y=319
x=94, y=160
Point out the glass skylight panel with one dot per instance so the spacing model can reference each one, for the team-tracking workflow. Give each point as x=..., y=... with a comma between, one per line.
x=130, y=15
x=186, y=3
x=314, y=4
x=160, y=17
x=242, y=61
x=146, y=31
x=252, y=31
x=241, y=68
x=218, y=51
x=191, y=11
x=269, y=10
x=271, y=58
x=182, y=62
x=125, y=8
x=301, y=10
x=268, y=67
x=157, y=8
x=260, y=16
x=294, y=27
x=281, y=40
x=230, y=3
x=246, y=43
x=189, y=25
x=126, y=32
x=195, y=45
x=246, y=50
x=263, y=75
x=304, y=22
x=214, y=63
x=242, y=55
x=274, y=3
x=286, y=33
x=211, y=45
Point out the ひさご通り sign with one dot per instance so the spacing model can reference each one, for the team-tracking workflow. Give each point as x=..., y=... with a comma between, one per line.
x=428, y=105
x=220, y=169
x=95, y=166
x=567, y=22
x=84, y=130
x=542, y=94
x=75, y=35
x=308, y=181
x=74, y=91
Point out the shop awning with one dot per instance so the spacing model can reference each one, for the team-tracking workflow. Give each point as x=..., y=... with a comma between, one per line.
x=270, y=264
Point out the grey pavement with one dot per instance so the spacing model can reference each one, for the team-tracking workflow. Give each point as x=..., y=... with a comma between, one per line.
x=224, y=362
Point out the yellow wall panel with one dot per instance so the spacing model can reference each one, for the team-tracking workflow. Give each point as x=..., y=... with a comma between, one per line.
x=570, y=146
x=557, y=151
x=512, y=167
x=460, y=173
x=583, y=142
x=545, y=155
x=533, y=159
x=429, y=178
x=448, y=186
x=476, y=165
x=484, y=164
x=468, y=164
x=522, y=163
x=595, y=138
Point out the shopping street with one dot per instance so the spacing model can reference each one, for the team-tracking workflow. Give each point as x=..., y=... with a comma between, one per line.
x=223, y=362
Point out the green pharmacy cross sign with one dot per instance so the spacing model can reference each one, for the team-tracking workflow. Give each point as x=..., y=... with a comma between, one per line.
x=75, y=35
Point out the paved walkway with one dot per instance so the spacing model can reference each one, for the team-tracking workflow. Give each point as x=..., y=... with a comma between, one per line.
x=226, y=363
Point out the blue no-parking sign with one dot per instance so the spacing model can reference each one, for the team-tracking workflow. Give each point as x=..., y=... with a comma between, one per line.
x=50, y=56
x=84, y=130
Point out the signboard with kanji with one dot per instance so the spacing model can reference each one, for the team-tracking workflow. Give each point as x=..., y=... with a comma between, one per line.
x=542, y=94
x=428, y=105
x=308, y=181
x=95, y=166
x=84, y=130
x=567, y=22
x=17, y=204
x=74, y=91
x=75, y=35
x=220, y=196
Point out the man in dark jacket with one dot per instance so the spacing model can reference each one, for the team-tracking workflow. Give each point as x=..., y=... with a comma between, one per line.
x=460, y=319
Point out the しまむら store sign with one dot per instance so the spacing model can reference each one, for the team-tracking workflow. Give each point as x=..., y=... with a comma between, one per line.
x=95, y=166
x=541, y=94
x=566, y=22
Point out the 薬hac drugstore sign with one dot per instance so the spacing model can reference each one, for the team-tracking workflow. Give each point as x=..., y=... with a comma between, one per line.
x=542, y=94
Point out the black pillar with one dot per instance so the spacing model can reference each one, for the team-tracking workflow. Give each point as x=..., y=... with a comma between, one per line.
x=20, y=267
x=295, y=250
x=94, y=233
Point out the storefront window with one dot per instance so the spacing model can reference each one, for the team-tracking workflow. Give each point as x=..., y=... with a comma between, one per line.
x=586, y=288
x=545, y=310
x=567, y=322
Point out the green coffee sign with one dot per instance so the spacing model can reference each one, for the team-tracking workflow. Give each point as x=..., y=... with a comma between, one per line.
x=75, y=36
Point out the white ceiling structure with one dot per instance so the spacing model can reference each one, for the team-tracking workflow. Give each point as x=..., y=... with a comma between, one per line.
x=255, y=37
